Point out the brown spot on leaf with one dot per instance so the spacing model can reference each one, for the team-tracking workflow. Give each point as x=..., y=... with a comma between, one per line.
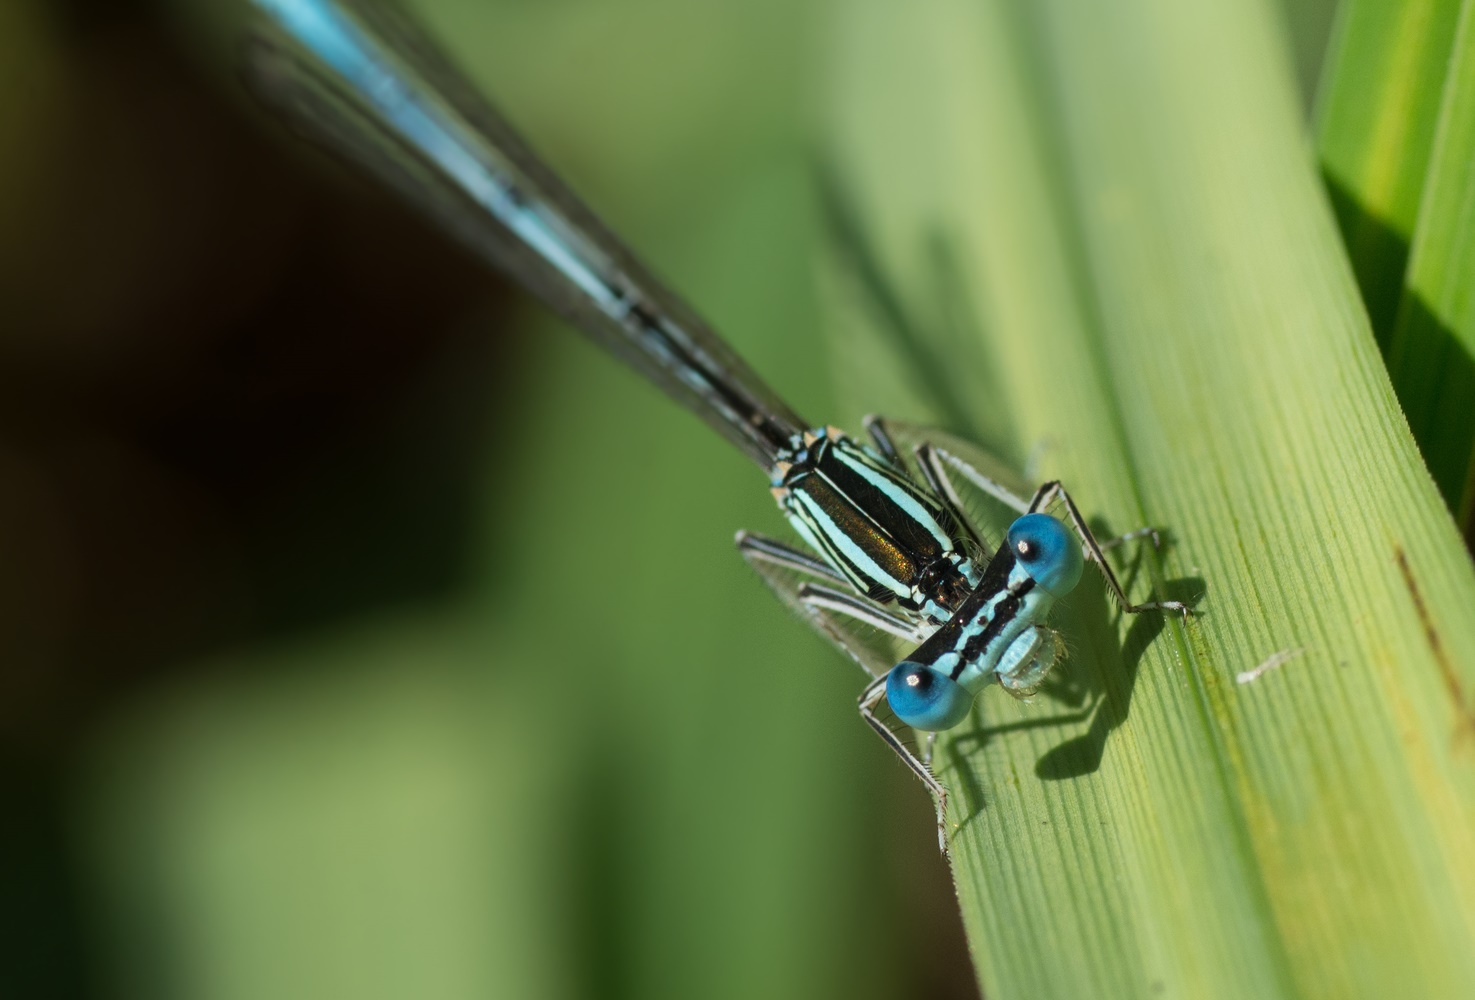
x=1465, y=730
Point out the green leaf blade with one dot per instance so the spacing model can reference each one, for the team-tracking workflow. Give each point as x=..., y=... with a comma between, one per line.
x=1432, y=356
x=1166, y=293
x=1377, y=115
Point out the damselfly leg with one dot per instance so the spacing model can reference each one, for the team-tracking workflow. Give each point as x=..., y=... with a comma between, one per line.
x=1043, y=497
x=869, y=632
x=920, y=765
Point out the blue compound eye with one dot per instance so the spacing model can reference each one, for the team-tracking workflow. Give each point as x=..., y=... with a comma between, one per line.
x=925, y=698
x=1047, y=551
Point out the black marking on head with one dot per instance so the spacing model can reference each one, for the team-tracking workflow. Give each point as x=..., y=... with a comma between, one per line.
x=1004, y=613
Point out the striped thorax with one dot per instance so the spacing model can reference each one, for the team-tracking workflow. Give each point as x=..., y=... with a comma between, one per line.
x=892, y=540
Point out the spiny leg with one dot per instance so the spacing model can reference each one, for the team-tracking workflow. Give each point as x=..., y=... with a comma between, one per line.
x=935, y=472
x=862, y=609
x=876, y=427
x=851, y=621
x=998, y=491
x=768, y=557
x=936, y=475
x=869, y=699
x=757, y=547
x=1094, y=550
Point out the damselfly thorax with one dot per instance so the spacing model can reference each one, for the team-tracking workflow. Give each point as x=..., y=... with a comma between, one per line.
x=892, y=540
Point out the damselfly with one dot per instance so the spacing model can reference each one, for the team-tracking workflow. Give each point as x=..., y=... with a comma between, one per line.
x=893, y=553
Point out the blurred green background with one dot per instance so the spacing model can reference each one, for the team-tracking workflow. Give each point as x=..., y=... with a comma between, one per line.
x=363, y=631
x=366, y=632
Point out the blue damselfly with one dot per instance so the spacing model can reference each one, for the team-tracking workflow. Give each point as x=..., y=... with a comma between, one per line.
x=895, y=562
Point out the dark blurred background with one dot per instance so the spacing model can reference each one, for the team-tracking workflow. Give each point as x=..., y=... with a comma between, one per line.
x=365, y=632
